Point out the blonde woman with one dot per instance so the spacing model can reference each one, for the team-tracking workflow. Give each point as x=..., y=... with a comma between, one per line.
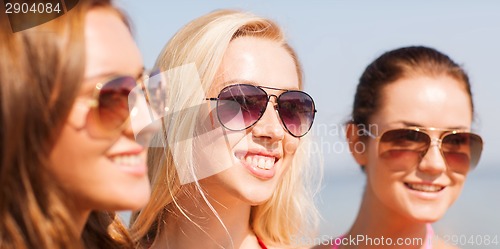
x=68, y=158
x=235, y=170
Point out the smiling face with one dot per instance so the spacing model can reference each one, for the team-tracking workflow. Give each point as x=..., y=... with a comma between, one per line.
x=102, y=173
x=256, y=158
x=425, y=191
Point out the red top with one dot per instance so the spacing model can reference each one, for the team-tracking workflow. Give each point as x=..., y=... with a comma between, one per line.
x=261, y=244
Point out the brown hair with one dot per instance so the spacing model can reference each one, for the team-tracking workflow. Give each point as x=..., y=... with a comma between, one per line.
x=41, y=72
x=397, y=64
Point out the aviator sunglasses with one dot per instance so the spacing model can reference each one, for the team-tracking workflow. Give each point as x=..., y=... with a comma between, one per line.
x=405, y=147
x=240, y=106
x=113, y=101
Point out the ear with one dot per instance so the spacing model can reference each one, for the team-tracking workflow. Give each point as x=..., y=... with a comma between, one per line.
x=356, y=144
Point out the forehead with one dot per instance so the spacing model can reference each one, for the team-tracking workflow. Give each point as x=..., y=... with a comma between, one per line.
x=110, y=48
x=439, y=101
x=257, y=61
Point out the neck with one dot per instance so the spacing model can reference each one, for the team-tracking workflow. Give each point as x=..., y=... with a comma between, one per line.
x=80, y=219
x=229, y=228
x=375, y=220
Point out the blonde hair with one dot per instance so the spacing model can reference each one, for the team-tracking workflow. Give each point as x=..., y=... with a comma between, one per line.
x=41, y=73
x=290, y=211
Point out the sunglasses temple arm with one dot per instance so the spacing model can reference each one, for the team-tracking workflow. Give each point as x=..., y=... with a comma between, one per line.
x=367, y=132
x=148, y=102
x=147, y=98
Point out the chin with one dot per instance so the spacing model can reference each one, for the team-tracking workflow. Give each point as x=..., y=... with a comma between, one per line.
x=134, y=199
x=426, y=218
x=428, y=214
x=257, y=195
x=129, y=204
x=258, y=200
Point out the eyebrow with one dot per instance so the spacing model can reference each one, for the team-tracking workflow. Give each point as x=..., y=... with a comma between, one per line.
x=410, y=124
x=108, y=74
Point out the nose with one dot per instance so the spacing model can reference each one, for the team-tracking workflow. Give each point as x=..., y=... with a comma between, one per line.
x=128, y=131
x=269, y=126
x=433, y=161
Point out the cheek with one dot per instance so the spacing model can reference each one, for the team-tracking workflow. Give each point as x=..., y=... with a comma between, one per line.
x=214, y=151
x=220, y=142
x=211, y=136
x=75, y=156
x=458, y=181
x=378, y=177
x=62, y=153
x=290, y=145
x=369, y=154
x=381, y=180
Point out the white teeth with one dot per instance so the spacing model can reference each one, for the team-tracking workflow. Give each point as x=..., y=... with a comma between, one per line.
x=249, y=160
x=262, y=163
x=424, y=187
x=269, y=163
x=258, y=161
x=127, y=160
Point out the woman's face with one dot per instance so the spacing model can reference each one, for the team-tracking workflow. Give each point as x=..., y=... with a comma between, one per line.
x=425, y=191
x=102, y=173
x=253, y=160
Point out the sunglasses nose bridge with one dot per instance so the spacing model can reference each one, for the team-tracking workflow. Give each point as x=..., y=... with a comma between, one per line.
x=436, y=142
x=433, y=142
x=271, y=122
x=273, y=103
x=269, y=96
x=431, y=159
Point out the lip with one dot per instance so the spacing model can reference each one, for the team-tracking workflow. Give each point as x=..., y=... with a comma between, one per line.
x=264, y=174
x=256, y=151
x=424, y=194
x=138, y=169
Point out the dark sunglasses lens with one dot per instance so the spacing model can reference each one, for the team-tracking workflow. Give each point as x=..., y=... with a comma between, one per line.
x=296, y=110
x=240, y=106
x=462, y=150
x=403, y=147
x=114, y=102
